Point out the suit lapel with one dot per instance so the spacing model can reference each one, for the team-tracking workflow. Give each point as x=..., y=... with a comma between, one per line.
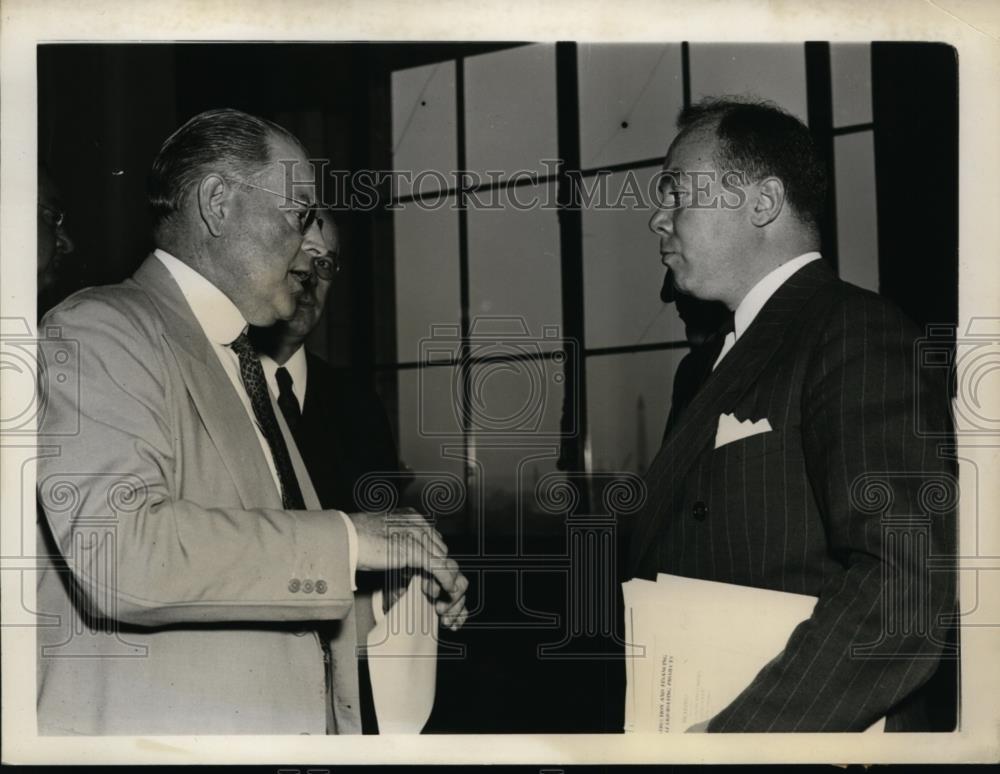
x=218, y=404
x=738, y=371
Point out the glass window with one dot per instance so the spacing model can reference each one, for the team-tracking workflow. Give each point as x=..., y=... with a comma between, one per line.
x=424, y=139
x=622, y=272
x=630, y=95
x=428, y=292
x=772, y=71
x=510, y=109
x=851, y=82
x=515, y=268
x=857, y=226
x=430, y=430
x=628, y=399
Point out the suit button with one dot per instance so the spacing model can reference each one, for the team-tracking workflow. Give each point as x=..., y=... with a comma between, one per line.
x=321, y=587
x=294, y=585
x=699, y=511
x=307, y=586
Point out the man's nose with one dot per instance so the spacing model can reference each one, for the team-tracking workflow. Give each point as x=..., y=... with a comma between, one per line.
x=661, y=222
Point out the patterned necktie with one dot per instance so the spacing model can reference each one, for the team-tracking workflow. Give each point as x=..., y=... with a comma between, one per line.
x=252, y=374
x=287, y=401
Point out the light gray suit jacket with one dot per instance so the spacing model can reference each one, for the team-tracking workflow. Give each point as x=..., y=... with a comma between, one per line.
x=174, y=596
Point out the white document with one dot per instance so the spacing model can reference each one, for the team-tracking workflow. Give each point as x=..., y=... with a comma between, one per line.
x=402, y=661
x=694, y=646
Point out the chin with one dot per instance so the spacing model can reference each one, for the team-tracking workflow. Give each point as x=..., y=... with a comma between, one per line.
x=285, y=310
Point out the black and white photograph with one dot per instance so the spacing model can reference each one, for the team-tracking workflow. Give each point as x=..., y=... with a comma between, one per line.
x=545, y=398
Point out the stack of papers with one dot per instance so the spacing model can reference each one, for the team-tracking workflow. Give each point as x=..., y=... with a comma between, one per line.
x=694, y=645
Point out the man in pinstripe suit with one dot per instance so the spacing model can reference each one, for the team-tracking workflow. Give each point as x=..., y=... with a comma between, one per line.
x=798, y=465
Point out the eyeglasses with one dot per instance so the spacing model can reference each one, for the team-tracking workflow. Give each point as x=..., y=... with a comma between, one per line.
x=52, y=217
x=306, y=217
x=326, y=266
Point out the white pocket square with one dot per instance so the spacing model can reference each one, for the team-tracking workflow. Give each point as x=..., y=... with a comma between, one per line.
x=731, y=429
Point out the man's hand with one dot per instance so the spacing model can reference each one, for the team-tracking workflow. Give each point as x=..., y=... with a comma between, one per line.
x=404, y=540
x=699, y=728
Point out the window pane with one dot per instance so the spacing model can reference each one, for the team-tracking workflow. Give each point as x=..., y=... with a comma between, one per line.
x=510, y=109
x=629, y=99
x=424, y=138
x=628, y=399
x=430, y=438
x=772, y=71
x=427, y=273
x=514, y=262
x=857, y=227
x=622, y=272
x=515, y=412
x=851, y=79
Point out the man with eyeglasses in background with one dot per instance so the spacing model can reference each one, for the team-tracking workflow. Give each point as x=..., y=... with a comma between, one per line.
x=338, y=421
x=213, y=593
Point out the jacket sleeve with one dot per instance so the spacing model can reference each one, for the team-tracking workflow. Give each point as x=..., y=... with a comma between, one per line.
x=871, y=426
x=109, y=478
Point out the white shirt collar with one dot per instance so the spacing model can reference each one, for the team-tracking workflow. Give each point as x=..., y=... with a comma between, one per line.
x=217, y=315
x=759, y=294
x=296, y=367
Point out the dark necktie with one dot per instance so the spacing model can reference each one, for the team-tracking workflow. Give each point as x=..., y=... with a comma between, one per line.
x=714, y=344
x=252, y=374
x=287, y=401
x=694, y=371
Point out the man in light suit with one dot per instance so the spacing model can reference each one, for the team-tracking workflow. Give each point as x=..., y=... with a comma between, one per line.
x=191, y=567
x=807, y=461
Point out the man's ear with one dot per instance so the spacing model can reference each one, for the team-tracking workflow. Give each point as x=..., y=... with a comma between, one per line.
x=213, y=203
x=769, y=203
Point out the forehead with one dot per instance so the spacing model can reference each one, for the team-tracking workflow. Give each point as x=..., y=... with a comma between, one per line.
x=331, y=233
x=289, y=164
x=692, y=151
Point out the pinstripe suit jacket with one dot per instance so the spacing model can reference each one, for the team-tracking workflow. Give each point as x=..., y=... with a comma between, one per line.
x=842, y=500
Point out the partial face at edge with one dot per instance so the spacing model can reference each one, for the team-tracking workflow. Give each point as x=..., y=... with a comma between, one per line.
x=53, y=240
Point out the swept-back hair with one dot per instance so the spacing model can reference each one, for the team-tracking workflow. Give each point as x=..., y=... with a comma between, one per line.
x=758, y=139
x=224, y=140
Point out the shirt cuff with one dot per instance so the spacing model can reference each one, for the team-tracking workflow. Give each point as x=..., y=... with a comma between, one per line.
x=352, y=548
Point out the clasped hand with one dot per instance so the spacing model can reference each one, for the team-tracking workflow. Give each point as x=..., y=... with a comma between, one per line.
x=404, y=540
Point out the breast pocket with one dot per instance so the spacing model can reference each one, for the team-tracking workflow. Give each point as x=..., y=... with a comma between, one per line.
x=758, y=445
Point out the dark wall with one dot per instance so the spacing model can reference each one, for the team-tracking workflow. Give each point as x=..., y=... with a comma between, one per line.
x=915, y=107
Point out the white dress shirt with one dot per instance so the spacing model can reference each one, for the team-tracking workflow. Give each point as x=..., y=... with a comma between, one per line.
x=296, y=367
x=222, y=322
x=759, y=295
